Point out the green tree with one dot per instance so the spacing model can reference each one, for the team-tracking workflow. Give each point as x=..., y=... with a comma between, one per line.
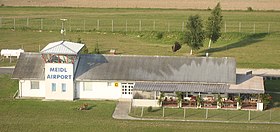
x=84, y=49
x=195, y=33
x=214, y=24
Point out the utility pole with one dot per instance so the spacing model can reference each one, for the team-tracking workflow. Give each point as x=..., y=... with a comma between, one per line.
x=63, y=30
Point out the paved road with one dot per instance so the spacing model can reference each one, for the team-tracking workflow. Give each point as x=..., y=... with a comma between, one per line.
x=121, y=111
x=6, y=70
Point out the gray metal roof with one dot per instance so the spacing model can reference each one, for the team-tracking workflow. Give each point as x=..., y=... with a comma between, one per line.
x=62, y=47
x=29, y=66
x=182, y=87
x=192, y=87
x=156, y=68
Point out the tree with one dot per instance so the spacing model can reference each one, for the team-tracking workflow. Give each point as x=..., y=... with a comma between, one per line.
x=214, y=24
x=195, y=34
x=84, y=49
x=179, y=98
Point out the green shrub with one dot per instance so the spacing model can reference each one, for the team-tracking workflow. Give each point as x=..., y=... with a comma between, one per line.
x=150, y=109
x=159, y=35
x=249, y=9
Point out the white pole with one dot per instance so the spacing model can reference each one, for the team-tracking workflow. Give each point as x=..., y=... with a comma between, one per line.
x=254, y=27
x=41, y=24
x=163, y=112
x=140, y=25
x=225, y=26
x=27, y=22
x=239, y=26
x=70, y=28
x=270, y=115
x=97, y=24
x=112, y=25
x=268, y=28
x=142, y=111
x=126, y=26
x=184, y=112
x=168, y=26
x=154, y=27
x=249, y=116
x=0, y=22
x=183, y=25
x=206, y=116
x=84, y=25
x=14, y=23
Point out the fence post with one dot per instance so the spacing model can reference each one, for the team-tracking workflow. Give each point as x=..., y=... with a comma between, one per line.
x=0, y=22
x=27, y=22
x=97, y=28
x=140, y=25
x=225, y=26
x=168, y=26
x=162, y=111
x=154, y=26
x=125, y=25
x=206, y=115
x=249, y=116
x=69, y=23
x=270, y=115
x=112, y=25
x=142, y=111
x=41, y=24
x=268, y=28
x=239, y=26
x=84, y=25
x=39, y=48
x=254, y=30
x=183, y=25
x=14, y=23
x=184, y=113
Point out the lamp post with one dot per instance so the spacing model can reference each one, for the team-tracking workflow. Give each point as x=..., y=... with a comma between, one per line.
x=63, y=30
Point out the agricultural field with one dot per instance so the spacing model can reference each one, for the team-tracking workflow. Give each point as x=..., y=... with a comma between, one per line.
x=177, y=4
x=37, y=115
x=252, y=38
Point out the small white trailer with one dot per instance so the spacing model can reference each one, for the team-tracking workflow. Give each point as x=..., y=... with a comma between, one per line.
x=11, y=52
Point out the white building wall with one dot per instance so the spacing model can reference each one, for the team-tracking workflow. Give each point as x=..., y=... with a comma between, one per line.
x=100, y=90
x=145, y=103
x=26, y=91
x=67, y=70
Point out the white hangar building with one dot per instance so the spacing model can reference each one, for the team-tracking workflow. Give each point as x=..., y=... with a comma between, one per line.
x=60, y=72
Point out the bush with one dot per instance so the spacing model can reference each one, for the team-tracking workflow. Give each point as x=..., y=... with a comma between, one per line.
x=150, y=109
x=159, y=35
x=249, y=9
x=2, y=5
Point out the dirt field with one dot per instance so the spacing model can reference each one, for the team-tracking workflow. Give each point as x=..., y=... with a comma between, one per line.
x=178, y=4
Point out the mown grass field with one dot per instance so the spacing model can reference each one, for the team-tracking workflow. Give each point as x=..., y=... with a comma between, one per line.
x=37, y=115
x=252, y=47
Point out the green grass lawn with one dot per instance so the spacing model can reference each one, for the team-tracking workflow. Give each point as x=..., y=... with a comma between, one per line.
x=259, y=50
x=37, y=115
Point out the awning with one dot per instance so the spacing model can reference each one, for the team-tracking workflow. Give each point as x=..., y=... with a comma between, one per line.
x=190, y=87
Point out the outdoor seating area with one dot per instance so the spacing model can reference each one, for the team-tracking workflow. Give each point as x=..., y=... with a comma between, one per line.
x=211, y=102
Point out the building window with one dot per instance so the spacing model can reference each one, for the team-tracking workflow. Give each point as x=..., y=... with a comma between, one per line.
x=87, y=86
x=53, y=87
x=109, y=83
x=63, y=87
x=34, y=84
